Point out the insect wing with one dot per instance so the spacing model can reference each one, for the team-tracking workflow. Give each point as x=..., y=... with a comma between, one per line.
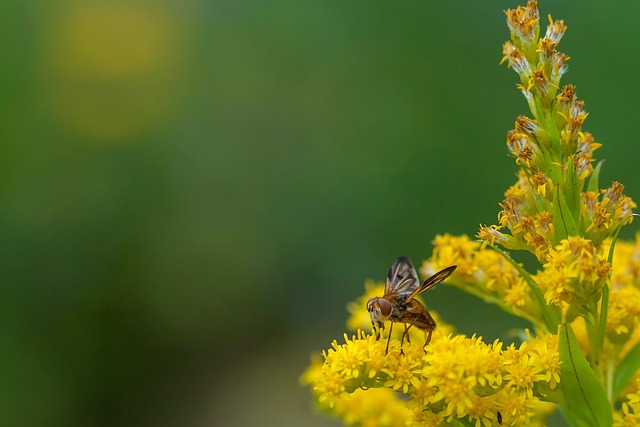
x=402, y=279
x=432, y=281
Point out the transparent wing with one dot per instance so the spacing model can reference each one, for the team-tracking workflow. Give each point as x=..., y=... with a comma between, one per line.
x=402, y=279
x=432, y=281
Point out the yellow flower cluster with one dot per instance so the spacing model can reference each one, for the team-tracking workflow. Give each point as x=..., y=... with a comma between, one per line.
x=624, y=300
x=583, y=299
x=629, y=413
x=573, y=276
x=547, y=203
x=458, y=377
x=574, y=273
x=604, y=210
x=372, y=407
x=482, y=272
x=621, y=331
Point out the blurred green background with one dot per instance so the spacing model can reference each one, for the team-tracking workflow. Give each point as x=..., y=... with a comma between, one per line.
x=193, y=190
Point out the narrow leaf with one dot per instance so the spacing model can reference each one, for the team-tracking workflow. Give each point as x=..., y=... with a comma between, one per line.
x=614, y=239
x=595, y=176
x=585, y=398
x=574, y=187
x=626, y=370
x=604, y=305
x=563, y=220
x=604, y=312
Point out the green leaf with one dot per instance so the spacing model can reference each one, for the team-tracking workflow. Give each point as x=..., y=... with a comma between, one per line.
x=616, y=233
x=550, y=315
x=586, y=401
x=604, y=312
x=548, y=165
x=626, y=370
x=462, y=422
x=573, y=188
x=563, y=220
x=595, y=176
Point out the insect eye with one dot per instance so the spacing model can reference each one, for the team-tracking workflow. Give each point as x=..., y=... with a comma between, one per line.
x=370, y=304
x=385, y=307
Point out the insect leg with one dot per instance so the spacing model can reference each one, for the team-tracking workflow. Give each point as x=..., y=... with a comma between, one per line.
x=428, y=338
x=389, y=338
x=406, y=332
x=376, y=330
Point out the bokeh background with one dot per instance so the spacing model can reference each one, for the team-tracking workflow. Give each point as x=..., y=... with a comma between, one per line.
x=191, y=191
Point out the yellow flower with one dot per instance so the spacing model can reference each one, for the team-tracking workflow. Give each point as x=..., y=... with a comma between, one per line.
x=574, y=273
x=330, y=388
x=486, y=274
x=421, y=393
x=482, y=411
x=544, y=355
x=539, y=181
x=402, y=372
x=522, y=373
x=606, y=210
x=625, y=418
x=451, y=250
x=492, y=235
x=377, y=407
x=524, y=25
x=500, y=275
x=518, y=295
x=426, y=419
x=626, y=263
x=629, y=415
x=624, y=309
x=517, y=408
x=556, y=285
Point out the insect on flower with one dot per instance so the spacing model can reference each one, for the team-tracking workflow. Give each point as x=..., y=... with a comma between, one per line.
x=398, y=303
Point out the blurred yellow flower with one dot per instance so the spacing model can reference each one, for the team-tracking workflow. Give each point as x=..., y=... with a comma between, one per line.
x=110, y=69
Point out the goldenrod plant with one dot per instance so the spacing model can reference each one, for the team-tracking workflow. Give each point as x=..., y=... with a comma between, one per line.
x=581, y=356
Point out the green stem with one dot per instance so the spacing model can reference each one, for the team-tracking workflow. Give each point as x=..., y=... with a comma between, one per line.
x=550, y=316
x=609, y=385
x=554, y=135
x=604, y=311
x=593, y=329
